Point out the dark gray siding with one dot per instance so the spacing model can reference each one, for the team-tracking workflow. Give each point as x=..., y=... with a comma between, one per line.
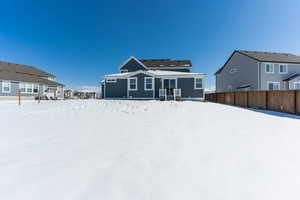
x=187, y=88
x=158, y=85
x=116, y=90
x=132, y=66
x=140, y=92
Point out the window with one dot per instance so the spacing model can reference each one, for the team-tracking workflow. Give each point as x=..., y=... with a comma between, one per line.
x=29, y=87
x=297, y=85
x=6, y=86
x=35, y=88
x=148, y=83
x=233, y=71
x=283, y=68
x=22, y=87
x=132, y=84
x=269, y=68
x=111, y=80
x=273, y=85
x=198, y=83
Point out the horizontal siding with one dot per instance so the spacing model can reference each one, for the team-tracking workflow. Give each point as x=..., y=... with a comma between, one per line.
x=187, y=88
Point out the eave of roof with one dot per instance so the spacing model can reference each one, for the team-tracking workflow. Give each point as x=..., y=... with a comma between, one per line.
x=258, y=60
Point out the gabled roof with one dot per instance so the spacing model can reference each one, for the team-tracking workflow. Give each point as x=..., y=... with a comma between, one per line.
x=272, y=57
x=132, y=58
x=159, y=63
x=266, y=57
x=162, y=63
x=17, y=68
x=293, y=76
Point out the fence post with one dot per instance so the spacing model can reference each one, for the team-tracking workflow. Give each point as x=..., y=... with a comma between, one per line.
x=19, y=94
x=267, y=100
x=233, y=97
x=247, y=104
x=295, y=99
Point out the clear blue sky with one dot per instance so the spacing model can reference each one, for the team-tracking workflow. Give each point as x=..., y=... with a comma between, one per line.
x=80, y=41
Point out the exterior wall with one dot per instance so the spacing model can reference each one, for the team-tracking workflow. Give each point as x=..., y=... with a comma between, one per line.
x=290, y=84
x=116, y=90
x=246, y=73
x=15, y=86
x=140, y=92
x=132, y=66
x=276, y=76
x=187, y=88
x=158, y=85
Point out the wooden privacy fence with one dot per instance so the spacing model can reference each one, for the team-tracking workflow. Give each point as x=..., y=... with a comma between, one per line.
x=287, y=101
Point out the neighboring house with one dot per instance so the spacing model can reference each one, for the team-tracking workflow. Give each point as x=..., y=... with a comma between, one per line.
x=28, y=81
x=251, y=70
x=153, y=79
x=84, y=94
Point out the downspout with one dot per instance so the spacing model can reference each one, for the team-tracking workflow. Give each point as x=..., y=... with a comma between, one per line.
x=259, y=83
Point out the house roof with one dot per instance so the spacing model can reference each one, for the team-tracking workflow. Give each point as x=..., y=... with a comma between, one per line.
x=293, y=76
x=266, y=57
x=12, y=67
x=272, y=57
x=160, y=63
x=6, y=75
x=156, y=73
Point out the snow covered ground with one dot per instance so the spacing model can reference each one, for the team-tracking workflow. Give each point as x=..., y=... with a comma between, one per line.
x=146, y=150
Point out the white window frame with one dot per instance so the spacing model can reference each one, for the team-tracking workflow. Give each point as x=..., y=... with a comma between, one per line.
x=145, y=83
x=111, y=80
x=24, y=84
x=38, y=88
x=286, y=69
x=136, y=84
x=195, y=83
x=272, y=72
x=27, y=87
x=273, y=83
x=9, y=86
x=233, y=70
x=295, y=85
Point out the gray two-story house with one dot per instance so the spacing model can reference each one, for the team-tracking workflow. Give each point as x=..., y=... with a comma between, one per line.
x=252, y=70
x=154, y=79
x=28, y=82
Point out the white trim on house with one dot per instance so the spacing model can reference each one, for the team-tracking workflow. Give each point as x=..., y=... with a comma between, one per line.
x=295, y=85
x=273, y=82
x=158, y=74
x=111, y=80
x=145, y=83
x=130, y=58
x=195, y=84
x=272, y=64
x=3, y=86
x=136, y=84
x=124, y=70
x=286, y=66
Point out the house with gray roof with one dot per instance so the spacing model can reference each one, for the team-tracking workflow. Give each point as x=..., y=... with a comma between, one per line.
x=28, y=81
x=253, y=70
x=154, y=79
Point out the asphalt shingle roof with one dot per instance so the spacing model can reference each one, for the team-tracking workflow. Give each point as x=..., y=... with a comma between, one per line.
x=166, y=63
x=266, y=57
x=16, y=72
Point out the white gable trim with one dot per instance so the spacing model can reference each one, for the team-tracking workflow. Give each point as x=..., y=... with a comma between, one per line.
x=129, y=59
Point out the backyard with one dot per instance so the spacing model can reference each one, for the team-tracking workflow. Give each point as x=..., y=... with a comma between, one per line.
x=142, y=150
